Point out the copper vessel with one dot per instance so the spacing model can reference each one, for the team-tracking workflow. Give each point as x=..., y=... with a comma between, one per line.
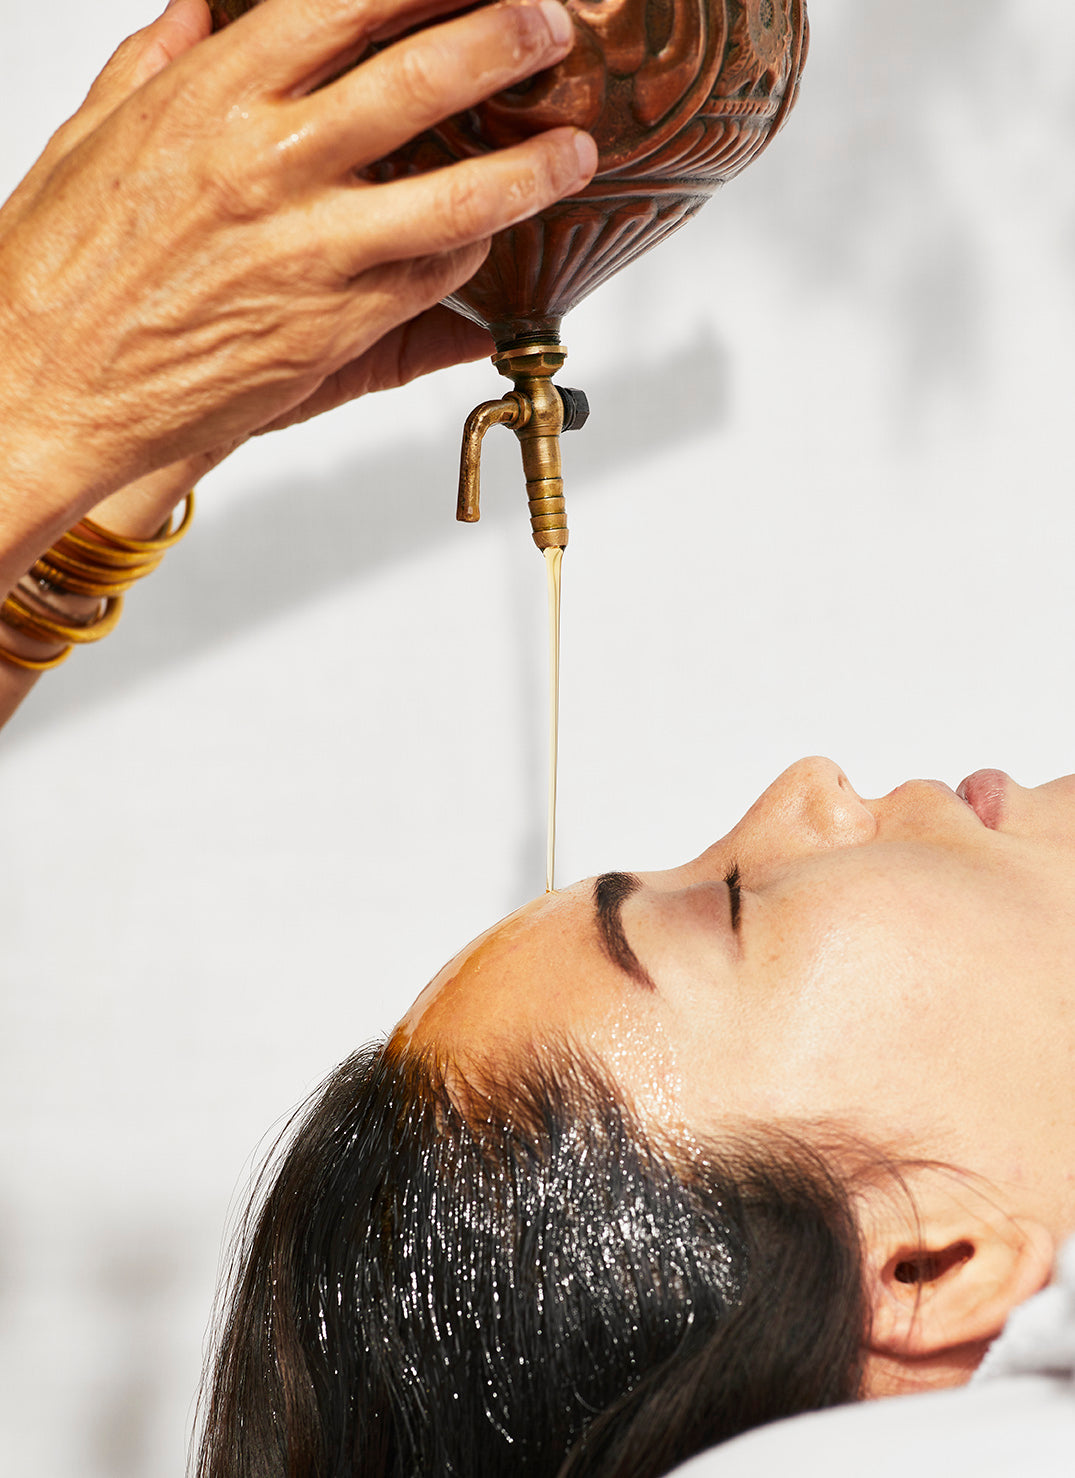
x=680, y=95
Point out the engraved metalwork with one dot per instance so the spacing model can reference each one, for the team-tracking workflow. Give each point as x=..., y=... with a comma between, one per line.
x=538, y=412
x=680, y=96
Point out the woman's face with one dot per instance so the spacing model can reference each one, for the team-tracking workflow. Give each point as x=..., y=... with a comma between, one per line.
x=902, y=966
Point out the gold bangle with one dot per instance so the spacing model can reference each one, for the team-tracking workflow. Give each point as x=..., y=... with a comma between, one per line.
x=32, y=664
x=92, y=554
x=161, y=541
x=21, y=617
x=91, y=561
x=65, y=575
x=113, y=558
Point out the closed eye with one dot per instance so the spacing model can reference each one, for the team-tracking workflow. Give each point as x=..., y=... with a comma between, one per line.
x=735, y=896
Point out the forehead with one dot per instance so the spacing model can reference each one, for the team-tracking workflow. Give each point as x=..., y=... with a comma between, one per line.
x=542, y=969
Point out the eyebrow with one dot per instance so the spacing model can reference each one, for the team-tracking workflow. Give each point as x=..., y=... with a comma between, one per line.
x=610, y=892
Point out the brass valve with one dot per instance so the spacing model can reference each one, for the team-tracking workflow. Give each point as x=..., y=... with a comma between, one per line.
x=537, y=411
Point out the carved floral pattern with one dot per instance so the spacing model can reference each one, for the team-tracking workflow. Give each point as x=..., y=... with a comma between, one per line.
x=680, y=96
x=759, y=50
x=639, y=70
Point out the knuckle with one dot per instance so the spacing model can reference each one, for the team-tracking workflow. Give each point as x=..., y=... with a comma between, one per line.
x=191, y=99
x=66, y=136
x=419, y=79
x=543, y=172
x=466, y=209
x=532, y=34
x=436, y=276
x=559, y=167
x=334, y=13
x=529, y=191
x=236, y=195
x=240, y=186
x=128, y=50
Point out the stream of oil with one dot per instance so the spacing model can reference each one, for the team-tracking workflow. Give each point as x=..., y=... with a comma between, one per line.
x=553, y=561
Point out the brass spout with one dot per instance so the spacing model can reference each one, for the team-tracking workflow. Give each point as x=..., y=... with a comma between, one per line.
x=537, y=411
x=507, y=412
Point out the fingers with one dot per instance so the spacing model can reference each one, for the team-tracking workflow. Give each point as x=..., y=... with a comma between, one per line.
x=436, y=339
x=400, y=92
x=250, y=287
x=183, y=25
x=431, y=341
x=364, y=226
x=385, y=353
x=288, y=45
x=146, y=53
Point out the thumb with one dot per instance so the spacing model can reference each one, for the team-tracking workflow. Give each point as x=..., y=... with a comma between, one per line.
x=134, y=63
x=138, y=59
x=182, y=25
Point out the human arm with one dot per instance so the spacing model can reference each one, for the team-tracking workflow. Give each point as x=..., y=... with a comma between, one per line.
x=192, y=259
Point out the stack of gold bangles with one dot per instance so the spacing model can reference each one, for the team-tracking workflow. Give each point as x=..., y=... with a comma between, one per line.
x=88, y=561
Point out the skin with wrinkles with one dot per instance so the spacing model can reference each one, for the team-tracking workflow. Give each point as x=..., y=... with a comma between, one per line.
x=192, y=260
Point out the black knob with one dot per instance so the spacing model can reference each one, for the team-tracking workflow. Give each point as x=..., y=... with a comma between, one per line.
x=576, y=408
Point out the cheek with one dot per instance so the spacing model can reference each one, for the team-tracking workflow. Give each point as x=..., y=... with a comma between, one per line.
x=856, y=1002
x=1047, y=814
x=860, y=1000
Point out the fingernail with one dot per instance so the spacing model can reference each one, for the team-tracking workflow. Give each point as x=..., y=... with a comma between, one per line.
x=558, y=20
x=586, y=151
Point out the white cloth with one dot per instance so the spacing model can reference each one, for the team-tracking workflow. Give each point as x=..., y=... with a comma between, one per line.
x=1016, y=1419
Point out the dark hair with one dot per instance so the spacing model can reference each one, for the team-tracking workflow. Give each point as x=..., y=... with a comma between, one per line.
x=452, y=1279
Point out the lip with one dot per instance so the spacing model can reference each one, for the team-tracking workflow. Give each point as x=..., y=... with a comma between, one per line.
x=986, y=793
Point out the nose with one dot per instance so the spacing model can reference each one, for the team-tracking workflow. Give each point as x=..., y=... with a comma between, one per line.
x=810, y=807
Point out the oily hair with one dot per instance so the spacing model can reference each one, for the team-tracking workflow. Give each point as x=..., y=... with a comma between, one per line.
x=445, y=1278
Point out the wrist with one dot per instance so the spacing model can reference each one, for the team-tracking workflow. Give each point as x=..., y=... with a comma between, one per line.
x=30, y=609
x=74, y=592
x=32, y=652
x=58, y=459
x=36, y=504
x=43, y=488
x=142, y=507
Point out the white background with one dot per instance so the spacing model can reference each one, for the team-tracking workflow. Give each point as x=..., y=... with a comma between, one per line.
x=823, y=504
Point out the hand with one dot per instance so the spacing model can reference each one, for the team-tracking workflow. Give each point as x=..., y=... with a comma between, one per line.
x=193, y=258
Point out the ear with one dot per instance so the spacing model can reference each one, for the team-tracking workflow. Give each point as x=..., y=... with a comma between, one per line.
x=945, y=1268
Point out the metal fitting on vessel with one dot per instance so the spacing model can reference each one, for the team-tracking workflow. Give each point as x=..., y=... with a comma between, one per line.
x=537, y=411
